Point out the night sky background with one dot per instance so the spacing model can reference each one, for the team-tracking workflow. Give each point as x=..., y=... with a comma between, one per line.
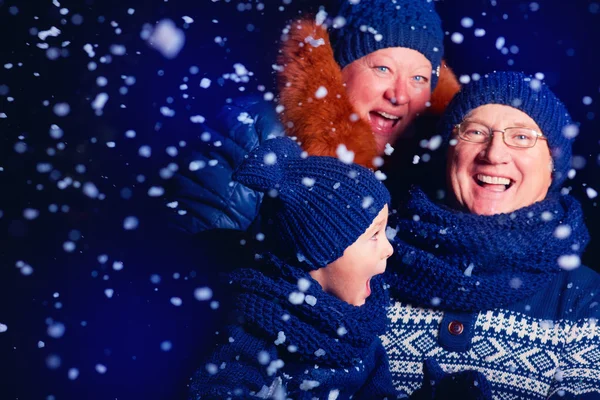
x=99, y=299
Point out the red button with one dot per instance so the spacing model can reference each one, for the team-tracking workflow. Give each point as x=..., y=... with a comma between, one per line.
x=456, y=328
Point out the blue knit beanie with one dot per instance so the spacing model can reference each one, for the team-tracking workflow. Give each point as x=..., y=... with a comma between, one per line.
x=371, y=25
x=526, y=94
x=322, y=204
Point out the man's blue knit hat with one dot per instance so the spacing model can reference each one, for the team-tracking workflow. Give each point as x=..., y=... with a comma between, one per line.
x=526, y=94
x=322, y=204
x=371, y=25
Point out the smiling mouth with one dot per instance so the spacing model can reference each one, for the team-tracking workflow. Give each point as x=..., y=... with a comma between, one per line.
x=382, y=122
x=494, y=183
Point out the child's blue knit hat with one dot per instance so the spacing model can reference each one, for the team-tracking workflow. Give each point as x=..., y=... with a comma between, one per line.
x=371, y=25
x=526, y=94
x=322, y=204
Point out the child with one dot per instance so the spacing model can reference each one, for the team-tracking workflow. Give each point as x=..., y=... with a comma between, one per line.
x=309, y=318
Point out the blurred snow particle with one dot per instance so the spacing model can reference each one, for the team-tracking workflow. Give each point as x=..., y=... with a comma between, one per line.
x=367, y=202
x=296, y=298
x=61, y=109
x=377, y=162
x=308, y=182
x=435, y=142
x=197, y=119
x=270, y=158
x=89, y=49
x=166, y=345
x=321, y=92
x=53, y=361
x=245, y=118
x=309, y=385
x=380, y=176
x=535, y=84
x=515, y=283
x=263, y=357
x=500, y=42
x=3, y=328
x=167, y=112
x=102, y=258
x=479, y=32
x=73, y=373
x=30, y=213
x=101, y=369
x=562, y=232
x=315, y=42
x=591, y=193
x=90, y=190
x=145, y=151
x=303, y=284
x=310, y=300
x=212, y=368
x=539, y=75
x=203, y=293
x=167, y=38
x=117, y=265
x=53, y=31
x=344, y=155
x=570, y=131
x=547, y=216
x=469, y=270
x=435, y=301
x=587, y=100
x=130, y=134
x=464, y=79
x=388, y=149
x=176, y=301
x=457, y=37
x=466, y=22
x=196, y=165
x=187, y=20
x=533, y=6
x=156, y=191
x=118, y=49
x=205, y=83
x=56, y=330
x=109, y=293
x=55, y=132
x=214, y=305
x=280, y=338
x=569, y=262
x=100, y=101
x=320, y=353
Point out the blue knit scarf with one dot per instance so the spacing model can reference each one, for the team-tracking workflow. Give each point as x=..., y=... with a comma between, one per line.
x=458, y=261
x=330, y=333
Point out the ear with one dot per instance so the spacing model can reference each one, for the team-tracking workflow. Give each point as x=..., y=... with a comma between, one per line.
x=447, y=86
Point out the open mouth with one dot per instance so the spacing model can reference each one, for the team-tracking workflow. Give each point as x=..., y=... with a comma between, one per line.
x=382, y=122
x=494, y=183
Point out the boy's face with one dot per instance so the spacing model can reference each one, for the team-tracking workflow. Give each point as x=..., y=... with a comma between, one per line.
x=348, y=277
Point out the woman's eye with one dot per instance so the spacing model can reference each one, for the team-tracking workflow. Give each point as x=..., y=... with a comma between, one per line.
x=420, y=78
x=382, y=68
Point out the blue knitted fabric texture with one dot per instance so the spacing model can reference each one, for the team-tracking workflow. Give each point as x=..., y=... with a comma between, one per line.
x=371, y=25
x=459, y=261
x=312, y=341
x=524, y=93
x=322, y=205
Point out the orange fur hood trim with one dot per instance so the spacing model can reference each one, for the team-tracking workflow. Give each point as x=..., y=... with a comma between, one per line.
x=316, y=107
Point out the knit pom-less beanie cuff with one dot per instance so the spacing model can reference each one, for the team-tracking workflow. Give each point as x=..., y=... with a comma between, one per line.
x=350, y=48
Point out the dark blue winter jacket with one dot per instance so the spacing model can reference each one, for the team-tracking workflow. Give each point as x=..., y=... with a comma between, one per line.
x=203, y=193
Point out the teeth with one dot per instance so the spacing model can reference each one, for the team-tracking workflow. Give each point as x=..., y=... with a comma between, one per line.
x=386, y=115
x=494, y=180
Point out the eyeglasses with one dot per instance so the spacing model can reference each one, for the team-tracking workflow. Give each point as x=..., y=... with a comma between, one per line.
x=517, y=137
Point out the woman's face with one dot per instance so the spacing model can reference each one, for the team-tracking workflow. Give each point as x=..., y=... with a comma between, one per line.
x=349, y=277
x=492, y=178
x=389, y=88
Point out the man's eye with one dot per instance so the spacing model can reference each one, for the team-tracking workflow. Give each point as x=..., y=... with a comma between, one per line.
x=382, y=68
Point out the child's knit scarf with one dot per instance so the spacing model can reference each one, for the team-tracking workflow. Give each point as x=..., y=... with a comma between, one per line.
x=322, y=329
x=460, y=261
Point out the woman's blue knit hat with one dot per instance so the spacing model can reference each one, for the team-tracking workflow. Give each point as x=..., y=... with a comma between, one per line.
x=322, y=205
x=371, y=25
x=526, y=94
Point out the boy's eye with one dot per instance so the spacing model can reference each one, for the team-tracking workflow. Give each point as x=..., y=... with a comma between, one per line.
x=374, y=237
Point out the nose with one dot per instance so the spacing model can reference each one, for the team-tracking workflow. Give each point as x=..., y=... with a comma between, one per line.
x=496, y=151
x=388, y=250
x=397, y=93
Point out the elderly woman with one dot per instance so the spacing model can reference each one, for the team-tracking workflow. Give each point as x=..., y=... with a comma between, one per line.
x=350, y=96
x=492, y=281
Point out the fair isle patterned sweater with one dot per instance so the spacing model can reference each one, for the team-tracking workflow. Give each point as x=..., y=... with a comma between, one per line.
x=547, y=346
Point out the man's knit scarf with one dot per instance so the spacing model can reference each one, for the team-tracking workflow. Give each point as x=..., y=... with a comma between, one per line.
x=459, y=261
x=321, y=328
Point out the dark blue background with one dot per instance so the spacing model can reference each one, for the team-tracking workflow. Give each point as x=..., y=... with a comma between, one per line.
x=124, y=332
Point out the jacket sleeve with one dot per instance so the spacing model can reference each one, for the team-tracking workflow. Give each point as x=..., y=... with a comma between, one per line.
x=578, y=376
x=202, y=193
x=235, y=370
